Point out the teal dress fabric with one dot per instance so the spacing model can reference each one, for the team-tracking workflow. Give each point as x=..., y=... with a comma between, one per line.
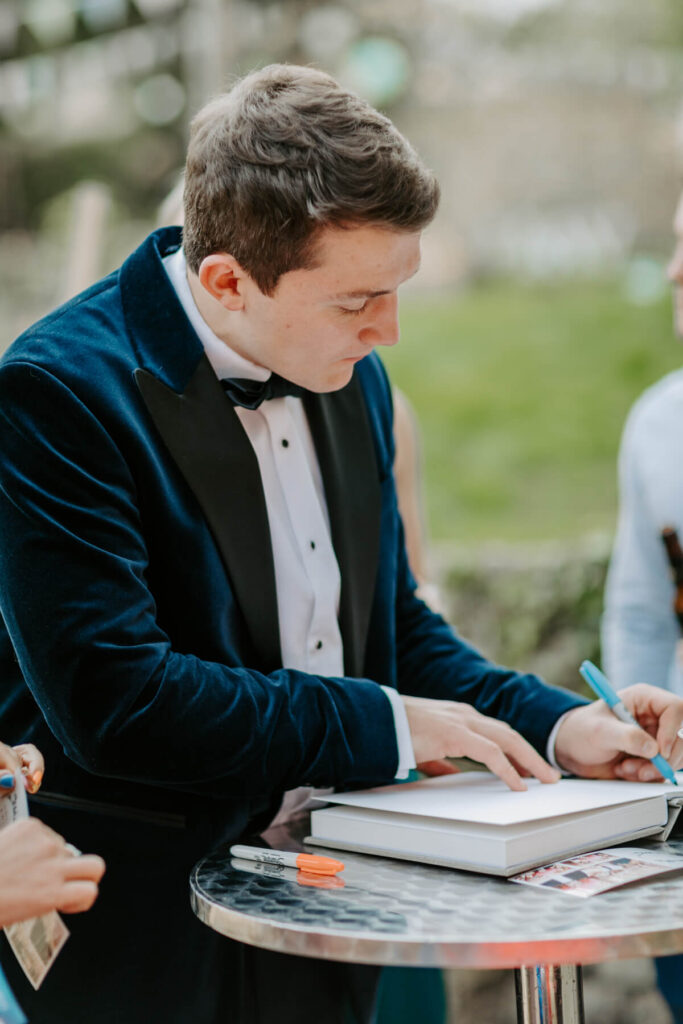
x=409, y=994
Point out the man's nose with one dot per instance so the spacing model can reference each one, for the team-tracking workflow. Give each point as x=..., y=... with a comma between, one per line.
x=384, y=329
x=675, y=269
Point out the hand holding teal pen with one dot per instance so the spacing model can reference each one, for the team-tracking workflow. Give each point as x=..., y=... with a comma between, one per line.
x=602, y=687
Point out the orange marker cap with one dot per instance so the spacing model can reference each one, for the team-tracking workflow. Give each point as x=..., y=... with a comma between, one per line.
x=319, y=881
x=318, y=865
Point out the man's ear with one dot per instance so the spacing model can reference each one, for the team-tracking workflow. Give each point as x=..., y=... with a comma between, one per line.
x=223, y=278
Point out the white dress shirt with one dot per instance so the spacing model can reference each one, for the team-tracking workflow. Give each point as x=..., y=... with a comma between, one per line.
x=307, y=577
x=640, y=633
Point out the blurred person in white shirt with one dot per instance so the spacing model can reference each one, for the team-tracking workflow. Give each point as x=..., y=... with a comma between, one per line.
x=641, y=635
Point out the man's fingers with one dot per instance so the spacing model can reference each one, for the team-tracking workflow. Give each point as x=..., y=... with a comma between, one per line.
x=667, y=734
x=653, y=706
x=635, y=769
x=675, y=755
x=479, y=748
x=637, y=742
x=519, y=751
x=520, y=769
x=617, y=737
x=441, y=729
x=638, y=769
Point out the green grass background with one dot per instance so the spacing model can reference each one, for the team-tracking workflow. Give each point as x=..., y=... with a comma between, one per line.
x=521, y=394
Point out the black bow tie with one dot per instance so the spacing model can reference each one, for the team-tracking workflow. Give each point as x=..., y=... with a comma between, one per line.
x=250, y=393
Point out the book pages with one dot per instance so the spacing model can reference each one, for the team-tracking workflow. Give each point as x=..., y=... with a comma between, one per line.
x=484, y=798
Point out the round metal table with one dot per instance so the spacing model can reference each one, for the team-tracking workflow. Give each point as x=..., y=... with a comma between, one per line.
x=397, y=913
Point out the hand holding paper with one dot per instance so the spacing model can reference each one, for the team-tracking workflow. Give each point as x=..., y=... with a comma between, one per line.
x=24, y=758
x=38, y=873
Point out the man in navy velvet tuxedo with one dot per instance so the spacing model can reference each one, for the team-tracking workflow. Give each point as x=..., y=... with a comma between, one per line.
x=206, y=604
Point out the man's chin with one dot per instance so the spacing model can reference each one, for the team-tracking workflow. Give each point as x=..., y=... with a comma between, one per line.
x=333, y=381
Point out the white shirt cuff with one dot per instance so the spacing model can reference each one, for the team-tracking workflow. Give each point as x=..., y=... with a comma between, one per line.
x=550, y=745
x=406, y=755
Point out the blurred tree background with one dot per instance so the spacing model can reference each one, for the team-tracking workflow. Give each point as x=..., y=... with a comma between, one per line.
x=556, y=129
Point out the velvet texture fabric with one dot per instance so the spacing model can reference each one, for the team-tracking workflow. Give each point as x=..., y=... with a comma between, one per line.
x=139, y=643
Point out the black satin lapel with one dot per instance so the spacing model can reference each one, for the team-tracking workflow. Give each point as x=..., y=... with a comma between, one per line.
x=205, y=437
x=343, y=442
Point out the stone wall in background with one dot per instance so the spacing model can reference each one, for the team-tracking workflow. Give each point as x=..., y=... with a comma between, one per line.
x=533, y=607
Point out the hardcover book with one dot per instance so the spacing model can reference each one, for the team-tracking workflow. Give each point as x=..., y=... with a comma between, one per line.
x=474, y=822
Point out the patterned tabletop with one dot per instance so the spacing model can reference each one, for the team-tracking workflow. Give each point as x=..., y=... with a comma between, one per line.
x=393, y=912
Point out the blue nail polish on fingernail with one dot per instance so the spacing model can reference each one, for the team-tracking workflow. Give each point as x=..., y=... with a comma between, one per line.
x=7, y=781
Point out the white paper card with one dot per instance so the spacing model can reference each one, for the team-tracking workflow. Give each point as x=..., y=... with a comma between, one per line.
x=14, y=806
x=36, y=944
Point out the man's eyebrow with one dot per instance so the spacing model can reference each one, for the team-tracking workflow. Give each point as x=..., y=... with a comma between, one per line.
x=363, y=293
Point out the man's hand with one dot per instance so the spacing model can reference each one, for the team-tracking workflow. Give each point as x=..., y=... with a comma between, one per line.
x=592, y=742
x=443, y=728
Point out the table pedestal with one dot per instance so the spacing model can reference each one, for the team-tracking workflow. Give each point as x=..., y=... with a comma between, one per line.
x=549, y=995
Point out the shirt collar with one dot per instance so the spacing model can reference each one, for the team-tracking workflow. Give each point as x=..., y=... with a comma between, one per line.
x=224, y=360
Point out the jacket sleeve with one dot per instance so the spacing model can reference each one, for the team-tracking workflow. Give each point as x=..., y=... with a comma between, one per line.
x=81, y=617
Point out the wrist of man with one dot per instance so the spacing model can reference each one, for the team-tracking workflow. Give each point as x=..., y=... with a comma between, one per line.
x=551, y=746
x=406, y=754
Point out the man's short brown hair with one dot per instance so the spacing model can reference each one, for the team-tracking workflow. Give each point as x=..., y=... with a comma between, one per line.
x=285, y=152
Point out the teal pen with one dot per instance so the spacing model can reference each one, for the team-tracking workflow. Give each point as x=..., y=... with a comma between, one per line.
x=600, y=684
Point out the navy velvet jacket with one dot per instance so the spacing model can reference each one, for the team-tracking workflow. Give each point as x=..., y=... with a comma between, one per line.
x=139, y=638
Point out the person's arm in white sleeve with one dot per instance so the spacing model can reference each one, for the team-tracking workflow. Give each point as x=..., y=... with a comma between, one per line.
x=639, y=629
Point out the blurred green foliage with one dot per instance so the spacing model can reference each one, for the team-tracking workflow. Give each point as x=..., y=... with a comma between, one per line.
x=521, y=394
x=536, y=608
